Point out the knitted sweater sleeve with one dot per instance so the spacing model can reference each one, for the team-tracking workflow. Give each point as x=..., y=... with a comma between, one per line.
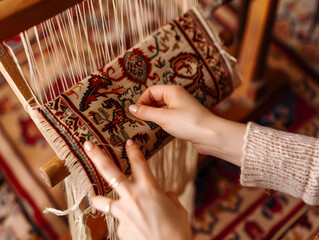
x=281, y=161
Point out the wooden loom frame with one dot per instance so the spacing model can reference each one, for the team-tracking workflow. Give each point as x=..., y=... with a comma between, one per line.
x=18, y=15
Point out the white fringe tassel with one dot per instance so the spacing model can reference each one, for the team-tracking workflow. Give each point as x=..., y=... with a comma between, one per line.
x=174, y=167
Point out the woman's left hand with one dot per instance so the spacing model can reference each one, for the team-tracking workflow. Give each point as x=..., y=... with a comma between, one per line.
x=144, y=211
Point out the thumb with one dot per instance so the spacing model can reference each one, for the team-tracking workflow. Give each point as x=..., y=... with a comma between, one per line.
x=173, y=197
x=147, y=113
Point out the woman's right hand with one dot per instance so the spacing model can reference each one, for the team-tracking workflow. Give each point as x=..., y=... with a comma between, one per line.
x=172, y=108
x=181, y=115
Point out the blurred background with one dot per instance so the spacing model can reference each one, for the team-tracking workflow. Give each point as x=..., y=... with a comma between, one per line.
x=282, y=92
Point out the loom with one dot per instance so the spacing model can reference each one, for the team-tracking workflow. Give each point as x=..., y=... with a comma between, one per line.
x=94, y=41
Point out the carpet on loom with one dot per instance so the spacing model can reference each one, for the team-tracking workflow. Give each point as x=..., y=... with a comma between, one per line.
x=224, y=209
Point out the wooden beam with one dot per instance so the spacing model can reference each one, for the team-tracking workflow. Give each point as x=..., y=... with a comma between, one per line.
x=54, y=171
x=19, y=15
x=11, y=73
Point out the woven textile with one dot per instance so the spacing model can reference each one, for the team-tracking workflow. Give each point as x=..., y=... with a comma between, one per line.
x=183, y=52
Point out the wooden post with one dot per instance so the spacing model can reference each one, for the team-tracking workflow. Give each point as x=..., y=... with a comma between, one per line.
x=12, y=74
x=54, y=170
x=255, y=43
x=252, y=55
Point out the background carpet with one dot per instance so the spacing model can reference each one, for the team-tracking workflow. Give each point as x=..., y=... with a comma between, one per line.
x=224, y=209
x=23, y=193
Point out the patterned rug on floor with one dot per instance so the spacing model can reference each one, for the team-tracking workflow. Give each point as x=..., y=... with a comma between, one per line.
x=23, y=194
x=226, y=210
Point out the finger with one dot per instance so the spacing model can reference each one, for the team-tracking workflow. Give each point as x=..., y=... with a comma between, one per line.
x=151, y=95
x=159, y=104
x=106, y=205
x=173, y=197
x=134, y=232
x=106, y=166
x=157, y=93
x=139, y=166
x=147, y=113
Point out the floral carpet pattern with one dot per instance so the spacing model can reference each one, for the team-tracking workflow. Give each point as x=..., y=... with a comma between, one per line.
x=224, y=209
x=95, y=109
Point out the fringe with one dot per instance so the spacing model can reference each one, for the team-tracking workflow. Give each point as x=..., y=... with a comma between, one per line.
x=77, y=185
x=76, y=217
x=112, y=222
x=174, y=167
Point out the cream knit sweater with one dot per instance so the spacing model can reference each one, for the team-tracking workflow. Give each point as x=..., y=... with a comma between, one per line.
x=281, y=161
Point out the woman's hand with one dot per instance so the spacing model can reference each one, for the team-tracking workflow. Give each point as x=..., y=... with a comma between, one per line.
x=182, y=116
x=144, y=211
x=176, y=111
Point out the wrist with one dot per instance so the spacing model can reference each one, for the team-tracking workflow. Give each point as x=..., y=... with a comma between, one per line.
x=223, y=139
x=207, y=135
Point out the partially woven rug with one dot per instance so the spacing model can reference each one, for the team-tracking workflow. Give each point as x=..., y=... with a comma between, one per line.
x=224, y=210
x=184, y=52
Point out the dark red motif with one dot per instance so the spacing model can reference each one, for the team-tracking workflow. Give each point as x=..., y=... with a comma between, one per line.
x=253, y=230
x=137, y=67
x=119, y=117
x=98, y=86
x=188, y=66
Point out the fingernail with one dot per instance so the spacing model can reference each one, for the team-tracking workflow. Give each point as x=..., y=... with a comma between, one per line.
x=129, y=142
x=133, y=108
x=88, y=146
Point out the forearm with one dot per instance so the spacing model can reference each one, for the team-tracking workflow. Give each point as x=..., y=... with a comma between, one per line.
x=282, y=161
x=268, y=158
x=223, y=139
